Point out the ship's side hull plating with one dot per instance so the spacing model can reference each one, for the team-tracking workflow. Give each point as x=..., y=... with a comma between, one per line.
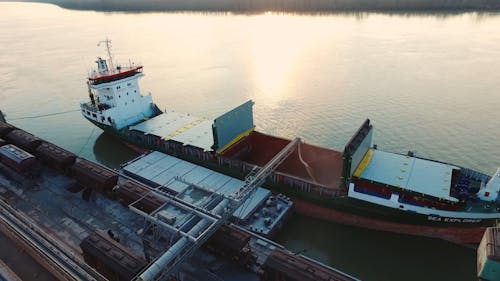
x=337, y=206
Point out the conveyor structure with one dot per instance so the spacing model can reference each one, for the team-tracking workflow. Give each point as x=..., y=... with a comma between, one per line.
x=198, y=222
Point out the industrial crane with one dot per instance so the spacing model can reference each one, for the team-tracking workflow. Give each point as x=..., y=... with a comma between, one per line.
x=168, y=263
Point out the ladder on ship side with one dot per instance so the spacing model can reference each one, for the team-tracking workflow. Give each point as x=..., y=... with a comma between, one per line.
x=170, y=261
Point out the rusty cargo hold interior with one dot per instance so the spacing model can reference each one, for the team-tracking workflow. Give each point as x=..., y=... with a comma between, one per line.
x=325, y=165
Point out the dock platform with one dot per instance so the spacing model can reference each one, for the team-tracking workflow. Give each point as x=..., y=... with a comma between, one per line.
x=6, y=274
x=51, y=209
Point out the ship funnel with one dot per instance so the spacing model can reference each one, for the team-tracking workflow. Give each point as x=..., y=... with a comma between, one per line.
x=102, y=66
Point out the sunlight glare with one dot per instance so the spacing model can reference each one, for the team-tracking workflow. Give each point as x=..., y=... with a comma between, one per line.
x=276, y=53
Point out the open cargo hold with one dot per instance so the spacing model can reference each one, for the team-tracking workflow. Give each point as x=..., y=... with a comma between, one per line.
x=110, y=258
x=54, y=156
x=308, y=162
x=23, y=140
x=94, y=176
x=130, y=192
x=286, y=266
x=16, y=158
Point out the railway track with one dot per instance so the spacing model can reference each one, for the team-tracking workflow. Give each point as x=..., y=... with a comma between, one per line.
x=54, y=256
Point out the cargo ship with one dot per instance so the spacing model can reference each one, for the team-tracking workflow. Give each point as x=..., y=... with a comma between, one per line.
x=361, y=185
x=83, y=221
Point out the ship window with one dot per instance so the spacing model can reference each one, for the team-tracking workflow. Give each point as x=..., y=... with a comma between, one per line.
x=117, y=87
x=119, y=96
x=135, y=91
x=93, y=115
x=128, y=84
x=127, y=93
x=132, y=100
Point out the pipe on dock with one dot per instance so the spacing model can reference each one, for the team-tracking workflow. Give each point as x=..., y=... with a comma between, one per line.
x=164, y=260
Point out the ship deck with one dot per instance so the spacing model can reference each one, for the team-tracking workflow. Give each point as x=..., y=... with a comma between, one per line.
x=325, y=165
x=410, y=173
x=179, y=127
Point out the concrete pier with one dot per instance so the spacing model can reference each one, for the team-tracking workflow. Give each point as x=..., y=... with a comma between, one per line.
x=50, y=208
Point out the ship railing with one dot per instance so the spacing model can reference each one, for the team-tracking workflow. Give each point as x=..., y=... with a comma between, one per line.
x=89, y=106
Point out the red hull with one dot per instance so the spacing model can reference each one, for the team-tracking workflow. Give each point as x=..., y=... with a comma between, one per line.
x=460, y=235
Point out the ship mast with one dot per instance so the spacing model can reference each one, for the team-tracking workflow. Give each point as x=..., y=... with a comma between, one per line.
x=108, y=49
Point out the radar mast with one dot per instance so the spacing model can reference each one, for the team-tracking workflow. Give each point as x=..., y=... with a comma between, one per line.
x=108, y=49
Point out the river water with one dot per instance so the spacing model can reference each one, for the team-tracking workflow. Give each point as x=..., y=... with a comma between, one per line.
x=428, y=82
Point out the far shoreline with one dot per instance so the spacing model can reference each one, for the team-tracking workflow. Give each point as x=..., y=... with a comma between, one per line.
x=283, y=6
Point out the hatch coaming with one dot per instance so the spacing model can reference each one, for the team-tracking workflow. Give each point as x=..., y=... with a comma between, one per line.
x=436, y=211
x=310, y=163
x=421, y=183
x=426, y=177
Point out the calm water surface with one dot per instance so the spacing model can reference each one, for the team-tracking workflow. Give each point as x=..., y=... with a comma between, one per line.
x=429, y=83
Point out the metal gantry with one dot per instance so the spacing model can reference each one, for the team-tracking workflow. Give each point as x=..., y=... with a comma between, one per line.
x=204, y=222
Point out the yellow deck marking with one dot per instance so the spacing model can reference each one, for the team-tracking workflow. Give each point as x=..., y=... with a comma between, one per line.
x=236, y=139
x=364, y=163
x=183, y=129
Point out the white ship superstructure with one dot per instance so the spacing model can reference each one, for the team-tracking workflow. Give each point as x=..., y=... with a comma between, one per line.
x=115, y=96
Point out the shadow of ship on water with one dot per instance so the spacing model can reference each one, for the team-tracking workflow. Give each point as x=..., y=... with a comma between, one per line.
x=112, y=152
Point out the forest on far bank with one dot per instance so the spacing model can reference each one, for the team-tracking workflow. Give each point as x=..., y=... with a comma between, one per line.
x=278, y=5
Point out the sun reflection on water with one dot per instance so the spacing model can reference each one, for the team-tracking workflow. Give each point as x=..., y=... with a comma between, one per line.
x=277, y=53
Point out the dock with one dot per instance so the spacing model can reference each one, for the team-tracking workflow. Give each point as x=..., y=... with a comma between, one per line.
x=262, y=213
x=488, y=255
x=6, y=274
x=83, y=221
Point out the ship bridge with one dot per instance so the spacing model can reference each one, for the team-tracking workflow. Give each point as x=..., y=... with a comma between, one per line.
x=115, y=97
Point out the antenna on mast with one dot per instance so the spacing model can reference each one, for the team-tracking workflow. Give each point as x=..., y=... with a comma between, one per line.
x=108, y=49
